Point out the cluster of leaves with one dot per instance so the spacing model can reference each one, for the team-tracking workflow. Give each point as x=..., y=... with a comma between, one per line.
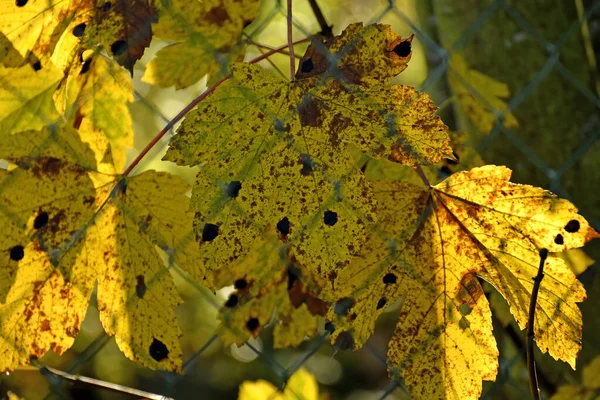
x=293, y=204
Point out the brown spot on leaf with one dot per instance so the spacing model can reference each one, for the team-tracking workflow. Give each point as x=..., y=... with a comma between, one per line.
x=45, y=325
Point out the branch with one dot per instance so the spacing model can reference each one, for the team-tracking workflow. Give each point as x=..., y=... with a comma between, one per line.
x=325, y=27
x=290, y=42
x=537, y=281
x=193, y=104
x=422, y=175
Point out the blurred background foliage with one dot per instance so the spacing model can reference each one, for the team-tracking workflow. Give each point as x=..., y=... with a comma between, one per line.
x=518, y=78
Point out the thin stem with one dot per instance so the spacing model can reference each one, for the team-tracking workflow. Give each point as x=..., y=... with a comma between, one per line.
x=325, y=27
x=290, y=40
x=193, y=104
x=104, y=384
x=537, y=281
x=422, y=175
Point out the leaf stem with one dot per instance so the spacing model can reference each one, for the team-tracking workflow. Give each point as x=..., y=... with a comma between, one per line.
x=325, y=27
x=193, y=104
x=537, y=281
x=290, y=40
x=422, y=175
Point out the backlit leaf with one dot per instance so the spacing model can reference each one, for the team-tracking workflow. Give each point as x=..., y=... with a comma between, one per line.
x=301, y=385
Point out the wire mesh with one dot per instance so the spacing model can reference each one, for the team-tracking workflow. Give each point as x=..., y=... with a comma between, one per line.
x=200, y=370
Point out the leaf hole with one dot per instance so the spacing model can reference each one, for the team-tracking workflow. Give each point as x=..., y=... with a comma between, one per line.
x=240, y=284
x=403, y=49
x=465, y=309
x=86, y=66
x=307, y=66
x=343, y=306
x=381, y=303
x=41, y=220
x=344, y=341
x=233, y=189
x=559, y=239
x=329, y=327
x=572, y=226
x=389, y=279
x=158, y=350
x=293, y=274
x=232, y=301
x=283, y=226
x=79, y=30
x=21, y=3
x=140, y=287
x=37, y=65
x=252, y=324
x=307, y=165
x=210, y=232
x=119, y=47
x=106, y=6
x=17, y=253
x=330, y=218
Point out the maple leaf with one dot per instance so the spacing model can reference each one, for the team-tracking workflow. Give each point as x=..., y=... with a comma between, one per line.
x=300, y=134
x=301, y=385
x=70, y=225
x=207, y=38
x=430, y=247
x=465, y=80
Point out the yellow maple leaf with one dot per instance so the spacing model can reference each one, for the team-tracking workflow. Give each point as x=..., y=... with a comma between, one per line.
x=464, y=80
x=430, y=247
x=69, y=225
x=301, y=385
x=589, y=389
x=301, y=134
x=207, y=38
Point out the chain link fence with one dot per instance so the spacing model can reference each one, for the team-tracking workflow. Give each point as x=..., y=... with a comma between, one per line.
x=442, y=29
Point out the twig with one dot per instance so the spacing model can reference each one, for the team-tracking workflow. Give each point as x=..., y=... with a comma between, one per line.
x=537, y=281
x=422, y=175
x=290, y=42
x=193, y=104
x=325, y=27
x=104, y=384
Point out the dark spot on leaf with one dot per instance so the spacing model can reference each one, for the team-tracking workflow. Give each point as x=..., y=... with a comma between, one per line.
x=106, y=6
x=559, y=239
x=140, y=287
x=330, y=218
x=572, y=226
x=381, y=302
x=41, y=220
x=79, y=30
x=329, y=327
x=307, y=165
x=37, y=65
x=232, y=301
x=283, y=226
x=252, y=324
x=17, y=253
x=21, y=3
x=210, y=232
x=293, y=274
x=389, y=279
x=344, y=341
x=307, y=66
x=278, y=125
x=119, y=47
x=343, y=306
x=240, y=284
x=403, y=49
x=363, y=168
x=158, y=350
x=233, y=189
x=85, y=67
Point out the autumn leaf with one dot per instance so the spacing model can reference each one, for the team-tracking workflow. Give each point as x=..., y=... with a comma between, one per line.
x=69, y=225
x=430, y=248
x=299, y=134
x=301, y=385
x=207, y=38
x=491, y=94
